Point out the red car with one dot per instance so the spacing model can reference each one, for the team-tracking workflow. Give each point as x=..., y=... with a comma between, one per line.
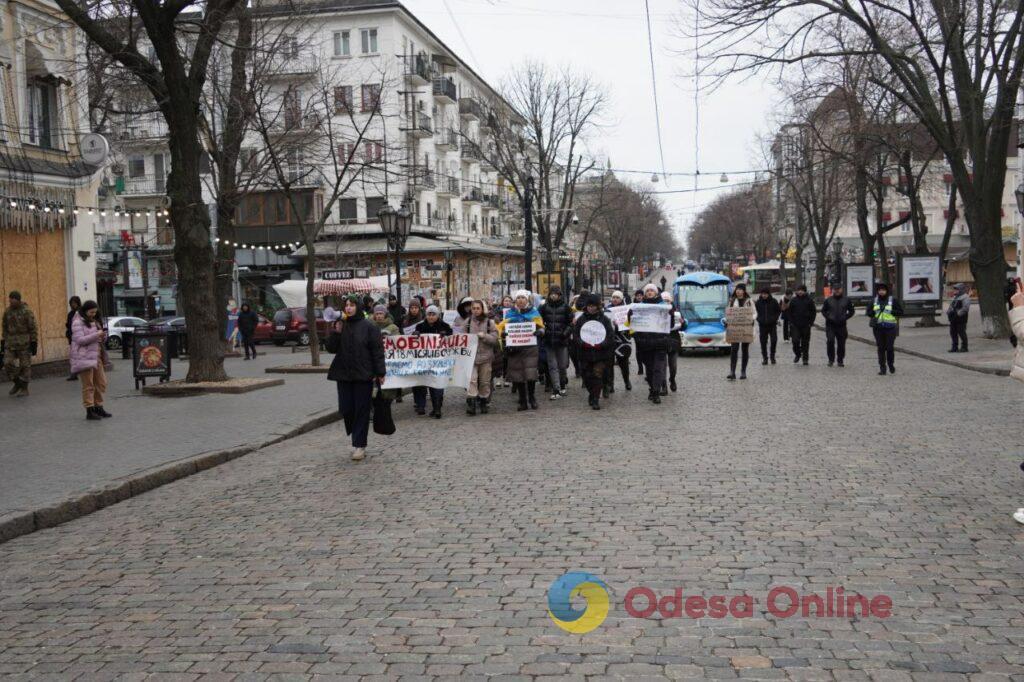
x=264, y=330
x=290, y=325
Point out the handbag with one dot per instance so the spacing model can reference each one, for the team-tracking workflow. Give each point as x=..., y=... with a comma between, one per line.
x=383, y=422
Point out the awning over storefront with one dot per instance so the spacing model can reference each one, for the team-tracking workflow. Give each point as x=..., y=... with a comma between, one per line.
x=416, y=244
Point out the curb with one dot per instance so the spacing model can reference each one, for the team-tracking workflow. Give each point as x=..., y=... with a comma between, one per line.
x=297, y=369
x=942, y=361
x=23, y=523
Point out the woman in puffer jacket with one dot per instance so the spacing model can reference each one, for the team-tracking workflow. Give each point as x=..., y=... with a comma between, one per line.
x=523, y=360
x=1017, y=372
x=88, y=359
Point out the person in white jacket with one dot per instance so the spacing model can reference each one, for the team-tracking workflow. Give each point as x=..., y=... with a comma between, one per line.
x=1017, y=371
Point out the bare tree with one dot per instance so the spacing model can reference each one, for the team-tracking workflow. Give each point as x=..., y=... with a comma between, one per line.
x=542, y=136
x=955, y=64
x=175, y=77
x=633, y=226
x=317, y=149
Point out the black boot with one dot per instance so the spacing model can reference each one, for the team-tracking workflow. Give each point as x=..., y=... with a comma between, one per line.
x=629, y=386
x=101, y=412
x=484, y=408
x=672, y=385
x=531, y=387
x=520, y=388
x=90, y=414
x=16, y=387
x=471, y=407
x=435, y=410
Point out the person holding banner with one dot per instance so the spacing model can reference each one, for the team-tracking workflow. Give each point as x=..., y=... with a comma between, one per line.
x=595, y=339
x=739, y=339
x=358, y=364
x=432, y=325
x=650, y=324
x=885, y=311
x=623, y=348
x=520, y=330
x=674, y=343
x=483, y=327
x=500, y=359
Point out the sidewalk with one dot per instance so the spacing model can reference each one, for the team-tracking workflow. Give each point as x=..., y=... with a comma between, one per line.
x=933, y=343
x=49, y=453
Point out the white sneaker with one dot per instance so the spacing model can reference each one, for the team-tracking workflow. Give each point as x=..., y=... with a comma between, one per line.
x=563, y=392
x=359, y=454
x=555, y=396
x=1018, y=516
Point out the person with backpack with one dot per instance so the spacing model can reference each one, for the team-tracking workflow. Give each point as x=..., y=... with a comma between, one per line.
x=885, y=313
x=358, y=366
x=768, y=313
x=486, y=331
x=595, y=341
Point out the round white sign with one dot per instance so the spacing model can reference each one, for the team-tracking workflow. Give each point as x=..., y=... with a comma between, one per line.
x=593, y=333
x=95, y=149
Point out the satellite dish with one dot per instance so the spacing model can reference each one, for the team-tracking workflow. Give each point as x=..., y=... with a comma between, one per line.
x=95, y=149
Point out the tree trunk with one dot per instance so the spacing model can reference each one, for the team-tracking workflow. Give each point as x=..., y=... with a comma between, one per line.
x=988, y=265
x=314, y=337
x=193, y=253
x=225, y=254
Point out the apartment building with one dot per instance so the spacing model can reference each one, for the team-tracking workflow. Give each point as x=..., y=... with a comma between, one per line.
x=46, y=247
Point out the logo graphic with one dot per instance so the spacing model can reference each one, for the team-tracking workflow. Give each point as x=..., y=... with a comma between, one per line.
x=578, y=584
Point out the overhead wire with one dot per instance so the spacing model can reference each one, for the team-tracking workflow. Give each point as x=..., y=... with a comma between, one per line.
x=654, y=85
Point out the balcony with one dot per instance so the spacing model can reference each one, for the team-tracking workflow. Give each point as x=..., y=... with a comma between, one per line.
x=422, y=126
x=448, y=186
x=143, y=128
x=288, y=66
x=141, y=186
x=473, y=195
x=470, y=109
x=470, y=152
x=445, y=91
x=422, y=179
x=295, y=123
x=492, y=201
x=418, y=69
x=446, y=140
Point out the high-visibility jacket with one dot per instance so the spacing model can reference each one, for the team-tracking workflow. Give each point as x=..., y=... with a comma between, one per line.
x=883, y=314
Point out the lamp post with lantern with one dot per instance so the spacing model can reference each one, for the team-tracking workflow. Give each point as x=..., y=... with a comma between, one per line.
x=396, y=225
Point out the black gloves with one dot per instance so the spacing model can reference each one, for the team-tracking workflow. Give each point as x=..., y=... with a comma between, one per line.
x=33, y=348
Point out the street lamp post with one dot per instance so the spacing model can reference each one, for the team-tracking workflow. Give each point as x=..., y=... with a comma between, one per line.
x=528, y=238
x=396, y=225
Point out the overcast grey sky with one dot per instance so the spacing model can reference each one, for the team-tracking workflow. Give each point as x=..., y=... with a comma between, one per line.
x=608, y=38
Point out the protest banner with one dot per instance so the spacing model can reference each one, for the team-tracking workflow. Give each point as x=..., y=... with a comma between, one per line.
x=411, y=329
x=429, y=360
x=740, y=323
x=593, y=333
x=650, y=317
x=518, y=334
x=619, y=315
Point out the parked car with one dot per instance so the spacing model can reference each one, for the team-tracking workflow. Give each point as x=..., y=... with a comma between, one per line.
x=290, y=325
x=167, y=323
x=264, y=330
x=119, y=325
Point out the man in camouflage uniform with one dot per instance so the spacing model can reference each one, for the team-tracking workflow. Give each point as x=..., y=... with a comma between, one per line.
x=20, y=342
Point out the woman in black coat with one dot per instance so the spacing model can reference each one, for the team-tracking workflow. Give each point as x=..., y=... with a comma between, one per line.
x=247, y=323
x=358, y=364
x=595, y=339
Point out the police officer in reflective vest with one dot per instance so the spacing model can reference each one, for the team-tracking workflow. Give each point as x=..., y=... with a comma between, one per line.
x=885, y=312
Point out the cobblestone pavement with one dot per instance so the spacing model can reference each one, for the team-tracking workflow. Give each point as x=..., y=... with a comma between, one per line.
x=434, y=556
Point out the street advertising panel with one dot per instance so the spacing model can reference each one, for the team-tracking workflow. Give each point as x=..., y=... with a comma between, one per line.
x=650, y=317
x=860, y=281
x=520, y=334
x=740, y=323
x=920, y=282
x=429, y=360
x=150, y=357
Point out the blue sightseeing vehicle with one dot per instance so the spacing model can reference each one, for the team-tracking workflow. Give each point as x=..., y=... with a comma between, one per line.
x=701, y=298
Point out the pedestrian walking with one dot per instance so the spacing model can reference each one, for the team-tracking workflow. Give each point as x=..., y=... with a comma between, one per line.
x=247, y=322
x=595, y=339
x=478, y=395
x=768, y=312
x=674, y=343
x=432, y=325
x=558, y=319
x=651, y=348
x=836, y=310
x=885, y=312
x=638, y=297
x=461, y=320
x=784, y=308
x=357, y=367
x=739, y=349
x=522, y=360
x=1008, y=293
x=957, y=313
x=623, y=348
x=20, y=342
x=802, y=313
x=74, y=303
x=1016, y=303
x=413, y=316
x=395, y=309
x=88, y=359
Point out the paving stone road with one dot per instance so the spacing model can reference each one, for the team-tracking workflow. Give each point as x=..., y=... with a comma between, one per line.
x=433, y=558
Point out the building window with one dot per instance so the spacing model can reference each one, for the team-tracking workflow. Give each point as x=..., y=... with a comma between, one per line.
x=277, y=209
x=136, y=166
x=342, y=44
x=373, y=152
x=347, y=153
x=293, y=160
x=249, y=160
x=42, y=107
x=343, y=99
x=371, y=97
x=290, y=47
x=347, y=211
x=368, y=36
x=373, y=207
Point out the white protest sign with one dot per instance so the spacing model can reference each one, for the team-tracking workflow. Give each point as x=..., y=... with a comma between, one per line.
x=429, y=360
x=593, y=333
x=411, y=329
x=519, y=334
x=619, y=315
x=655, y=318
x=449, y=316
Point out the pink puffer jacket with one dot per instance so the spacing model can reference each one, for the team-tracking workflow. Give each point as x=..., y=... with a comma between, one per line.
x=86, y=349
